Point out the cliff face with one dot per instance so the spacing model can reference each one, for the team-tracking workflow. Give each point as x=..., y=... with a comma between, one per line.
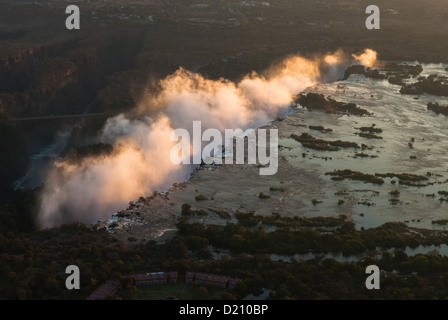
x=63, y=78
x=59, y=79
x=13, y=152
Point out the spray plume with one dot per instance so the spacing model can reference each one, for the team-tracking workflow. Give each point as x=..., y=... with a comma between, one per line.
x=367, y=59
x=92, y=189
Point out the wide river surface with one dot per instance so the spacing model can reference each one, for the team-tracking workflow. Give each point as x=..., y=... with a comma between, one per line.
x=404, y=119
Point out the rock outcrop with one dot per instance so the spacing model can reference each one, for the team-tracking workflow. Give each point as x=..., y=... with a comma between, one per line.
x=365, y=71
x=433, y=84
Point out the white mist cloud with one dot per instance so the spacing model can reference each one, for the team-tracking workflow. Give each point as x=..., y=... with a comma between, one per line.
x=367, y=58
x=140, y=163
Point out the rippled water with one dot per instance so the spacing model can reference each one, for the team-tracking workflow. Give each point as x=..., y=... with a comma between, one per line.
x=42, y=161
x=441, y=250
x=401, y=117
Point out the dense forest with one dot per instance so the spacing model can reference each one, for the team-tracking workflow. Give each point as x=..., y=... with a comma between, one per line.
x=34, y=261
x=117, y=70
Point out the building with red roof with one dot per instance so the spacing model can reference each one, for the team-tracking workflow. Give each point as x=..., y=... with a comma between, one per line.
x=148, y=279
x=207, y=279
x=107, y=288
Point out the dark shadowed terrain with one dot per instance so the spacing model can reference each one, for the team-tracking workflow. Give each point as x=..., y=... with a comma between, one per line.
x=306, y=233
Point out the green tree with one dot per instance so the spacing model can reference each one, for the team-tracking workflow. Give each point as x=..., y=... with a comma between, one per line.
x=203, y=292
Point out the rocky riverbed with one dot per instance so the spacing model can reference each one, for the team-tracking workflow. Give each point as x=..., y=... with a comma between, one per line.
x=408, y=157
